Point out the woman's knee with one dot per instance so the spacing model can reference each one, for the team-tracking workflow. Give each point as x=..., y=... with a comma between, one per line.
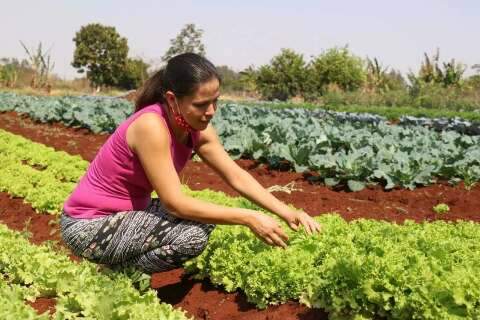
x=193, y=239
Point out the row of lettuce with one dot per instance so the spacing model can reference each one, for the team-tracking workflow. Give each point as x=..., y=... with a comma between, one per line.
x=44, y=178
x=13, y=305
x=354, y=150
x=81, y=291
x=361, y=269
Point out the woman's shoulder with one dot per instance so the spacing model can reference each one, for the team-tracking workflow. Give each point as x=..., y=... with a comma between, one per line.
x=147, y=126
x=149, y=121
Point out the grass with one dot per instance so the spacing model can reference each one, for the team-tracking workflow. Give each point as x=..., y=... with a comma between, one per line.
x=391, y=113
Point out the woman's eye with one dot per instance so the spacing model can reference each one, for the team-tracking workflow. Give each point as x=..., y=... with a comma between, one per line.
x=205, y=105
x=202, y=106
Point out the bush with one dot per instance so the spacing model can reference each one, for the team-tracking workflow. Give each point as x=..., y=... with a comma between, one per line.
x=133, y=75
x=435, y=96
x=283, y=78
x=231, y=80
x=336, y=66
x=391, y=98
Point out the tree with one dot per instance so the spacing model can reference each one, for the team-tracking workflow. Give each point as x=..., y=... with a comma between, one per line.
x=14, y=72
x=432, y=73
x=476, y=67
x=102, y=53
x=337, y=66
x=188, y=40
x=379, y=78
x=230, y=79
x=134, y=74
x=39, y=61
x=284, y=77
x=395, y=80
x=248, y=79
x=474, y=80
x=376, y=75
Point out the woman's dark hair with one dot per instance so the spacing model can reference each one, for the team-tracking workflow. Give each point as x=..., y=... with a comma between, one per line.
x=182, y=75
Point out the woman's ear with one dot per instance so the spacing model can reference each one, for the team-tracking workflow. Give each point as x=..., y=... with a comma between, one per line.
x=170, y=98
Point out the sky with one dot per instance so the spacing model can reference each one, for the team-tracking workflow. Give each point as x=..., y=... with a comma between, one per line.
x=244, y=33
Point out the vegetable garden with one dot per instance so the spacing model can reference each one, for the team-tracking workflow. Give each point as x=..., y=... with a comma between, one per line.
x=389, y=248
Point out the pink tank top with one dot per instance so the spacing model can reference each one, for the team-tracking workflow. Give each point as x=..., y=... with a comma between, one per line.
x=115, y=180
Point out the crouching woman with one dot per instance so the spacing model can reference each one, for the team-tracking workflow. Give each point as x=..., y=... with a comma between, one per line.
x=110, y=217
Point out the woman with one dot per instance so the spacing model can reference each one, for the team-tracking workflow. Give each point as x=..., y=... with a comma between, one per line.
x=110, y=218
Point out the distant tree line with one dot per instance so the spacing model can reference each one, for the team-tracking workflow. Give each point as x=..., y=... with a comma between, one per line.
x=335, y=75
x=337, y=69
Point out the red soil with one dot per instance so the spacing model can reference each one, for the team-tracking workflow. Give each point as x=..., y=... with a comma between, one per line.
x=44, y=305
x=373, y=202
x=201, y=299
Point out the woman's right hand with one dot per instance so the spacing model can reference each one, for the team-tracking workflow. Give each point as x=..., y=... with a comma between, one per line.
x=267, y=229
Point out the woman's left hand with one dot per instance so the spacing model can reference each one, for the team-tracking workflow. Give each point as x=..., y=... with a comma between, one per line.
x=296, y=218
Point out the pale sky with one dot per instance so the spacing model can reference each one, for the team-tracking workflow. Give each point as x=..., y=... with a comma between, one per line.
x=243, y=33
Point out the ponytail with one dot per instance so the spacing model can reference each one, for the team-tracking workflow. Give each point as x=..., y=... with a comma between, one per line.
x=182, y=75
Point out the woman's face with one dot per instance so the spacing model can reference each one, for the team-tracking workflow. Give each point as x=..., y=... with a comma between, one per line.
x=199, y=108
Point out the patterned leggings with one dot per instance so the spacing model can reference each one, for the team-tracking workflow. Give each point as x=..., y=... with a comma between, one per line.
x=152, y=240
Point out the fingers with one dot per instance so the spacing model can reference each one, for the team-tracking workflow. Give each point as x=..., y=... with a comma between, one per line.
x=277, y=240
x=311, y=226
x=276, y=237
x=293, y=225
x=279, y=231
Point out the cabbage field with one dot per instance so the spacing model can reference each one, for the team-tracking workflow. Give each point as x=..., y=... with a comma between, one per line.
x=354, y=269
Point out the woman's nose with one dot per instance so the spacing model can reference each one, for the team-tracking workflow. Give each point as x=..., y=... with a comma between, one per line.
x=212, y=107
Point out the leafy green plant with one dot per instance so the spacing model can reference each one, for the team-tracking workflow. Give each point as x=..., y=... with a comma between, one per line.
x=441, y=208
x=368, y=268
x=98, y=114
x=81, y=290
x=365, y=267
x=13, y=305
x=351, y=153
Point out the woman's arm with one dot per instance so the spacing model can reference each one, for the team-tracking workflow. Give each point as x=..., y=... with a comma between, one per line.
x=148, y=138
x=213, y=153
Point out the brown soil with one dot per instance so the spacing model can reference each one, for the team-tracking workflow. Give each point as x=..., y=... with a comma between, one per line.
x=201, y=299
x=42, y=305
x=373, y=202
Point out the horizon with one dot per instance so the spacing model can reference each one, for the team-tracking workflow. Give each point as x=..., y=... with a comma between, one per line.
x=397, y=34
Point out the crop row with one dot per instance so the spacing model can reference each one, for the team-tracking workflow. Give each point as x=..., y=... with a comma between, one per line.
x=345, y=149
x=44, y=178
x=13, y=306
x=403, y=116
x=98, y=114
x=366, y=267
x=39, y=174
x=350, y=153
x=81, y=291
x=104, y=114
